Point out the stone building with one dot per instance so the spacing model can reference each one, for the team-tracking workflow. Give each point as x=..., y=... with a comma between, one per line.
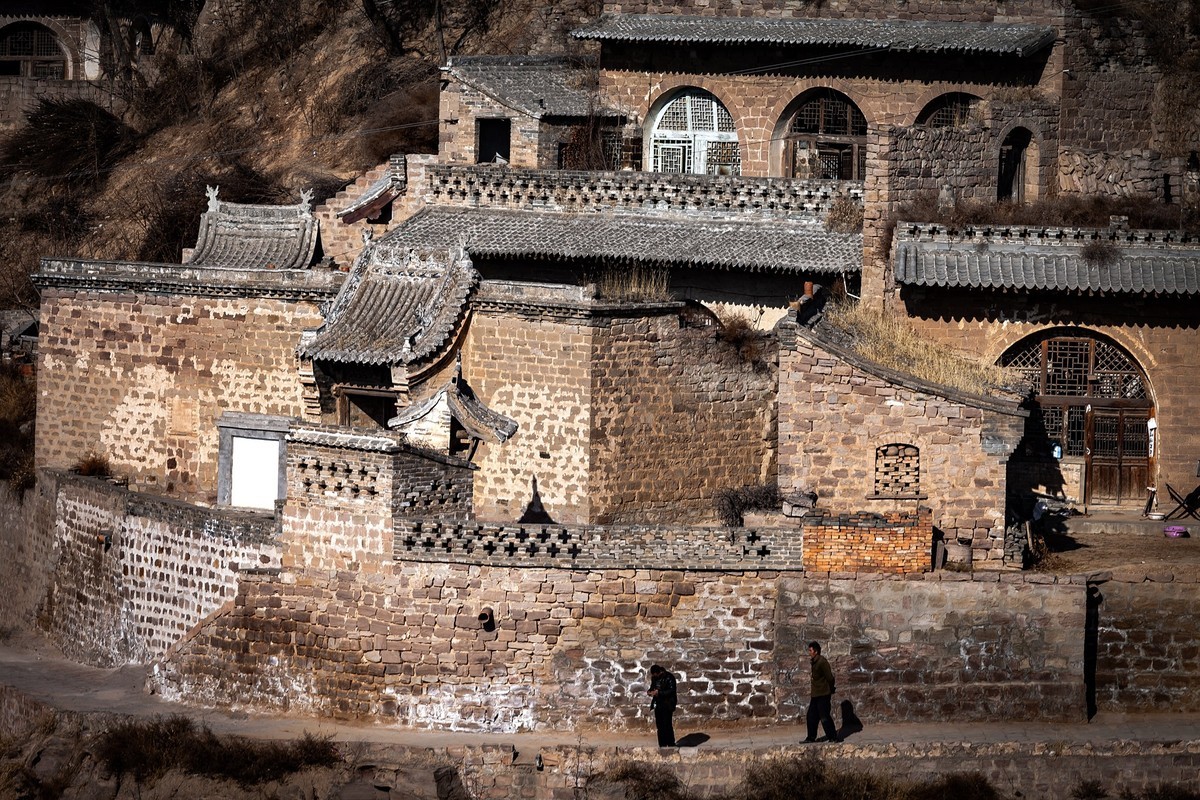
x=489, y=398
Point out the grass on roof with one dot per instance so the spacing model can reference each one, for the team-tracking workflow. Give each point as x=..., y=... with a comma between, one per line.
x=894, y=343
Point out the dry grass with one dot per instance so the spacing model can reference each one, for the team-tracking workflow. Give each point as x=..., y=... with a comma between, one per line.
x=1081, y=211
x=845, y=215
x=148, y=748
x=633, y=284
x=893, y=343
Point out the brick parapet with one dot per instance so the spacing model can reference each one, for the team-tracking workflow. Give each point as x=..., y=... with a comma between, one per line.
x=1032, y=235
x=894, y=542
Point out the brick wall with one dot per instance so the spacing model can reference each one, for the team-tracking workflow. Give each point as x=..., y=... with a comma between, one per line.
x=460, y=108
x=835, y=415
x=115, y=577
x=1146, y=630
x=895, y=542
x=570, y=648
x=677, y=417
x=142, y=377
x=347, y=489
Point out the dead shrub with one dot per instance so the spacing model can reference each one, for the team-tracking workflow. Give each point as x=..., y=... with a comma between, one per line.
x=1100, y=253
x=18, y=410
x=66, y=140
x=93, y=465
x=642, y=781
x=845, y=215
x=750, y=342
x=732, y=504
x=894, y=343
x=633, y=284
x=1077, y=211
x=149, y=748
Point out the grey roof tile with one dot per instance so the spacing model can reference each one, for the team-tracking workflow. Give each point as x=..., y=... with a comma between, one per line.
x=539, y=86
x=1135, y=269
x=885, y=34
x=399, y=306
x=242, y=236
x=758, y=245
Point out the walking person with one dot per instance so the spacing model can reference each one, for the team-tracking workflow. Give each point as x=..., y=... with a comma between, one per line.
x=663, y=698
x=820, y=706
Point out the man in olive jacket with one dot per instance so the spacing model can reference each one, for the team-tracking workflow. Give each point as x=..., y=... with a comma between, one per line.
x=821, y=704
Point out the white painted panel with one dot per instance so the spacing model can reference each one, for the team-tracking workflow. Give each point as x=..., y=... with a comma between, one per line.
x=254, y=477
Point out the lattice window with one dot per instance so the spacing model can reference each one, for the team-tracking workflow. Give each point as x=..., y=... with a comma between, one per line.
x=32, y=51
x=827, y=138
x=897, y=470
x=724, y=158
x=695, y=134
x=953, y=110
x=1078, y=367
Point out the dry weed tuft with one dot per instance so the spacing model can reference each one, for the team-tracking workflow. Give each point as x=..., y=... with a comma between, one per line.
x=93, y=465
x=732, y=504
x=635, y=284
x=739, y=331
x=845, y=215
x=1100, y=253
x=893, y=343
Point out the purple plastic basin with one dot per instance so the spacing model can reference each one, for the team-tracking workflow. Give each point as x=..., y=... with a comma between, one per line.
x=1175, y=531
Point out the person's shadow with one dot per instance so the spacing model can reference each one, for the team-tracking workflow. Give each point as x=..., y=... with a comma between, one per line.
x=851, y=724
x=692, y=740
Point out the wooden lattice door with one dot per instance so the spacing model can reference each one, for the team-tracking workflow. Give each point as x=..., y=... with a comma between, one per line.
x=1118, y=461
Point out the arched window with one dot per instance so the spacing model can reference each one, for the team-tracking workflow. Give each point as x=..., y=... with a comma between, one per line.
x=30, y=50
x=826, y=138
x=141, y=41
x=1093, y=405
x=694, y=133
x=1016, y=173
x=953, y=110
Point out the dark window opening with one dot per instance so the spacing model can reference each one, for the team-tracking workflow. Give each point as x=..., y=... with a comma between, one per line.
x=827, y=139
x=954, y=110
x=362, y=407
x=494, y=140
x=30, y=50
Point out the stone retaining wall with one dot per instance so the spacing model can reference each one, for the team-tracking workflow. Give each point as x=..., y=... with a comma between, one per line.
x=569, y=649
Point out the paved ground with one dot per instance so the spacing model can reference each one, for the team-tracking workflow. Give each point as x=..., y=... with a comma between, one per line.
x=33, y=667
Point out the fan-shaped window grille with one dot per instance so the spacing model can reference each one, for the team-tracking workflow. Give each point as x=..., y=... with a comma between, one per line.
x=1067, y=366
x=695, y=134
x=954, y=110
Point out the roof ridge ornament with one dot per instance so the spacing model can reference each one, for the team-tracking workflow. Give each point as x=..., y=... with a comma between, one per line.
x=214, y=204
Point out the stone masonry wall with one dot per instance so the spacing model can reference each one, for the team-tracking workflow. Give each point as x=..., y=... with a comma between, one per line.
x=118, y=577
x=570, y=648
x=460, y=108
x=834, y=416
x=1159, y=333
x=677, y=417
x=142, y=379
x=1146, y=629
x=535, y=369
x=347, y=489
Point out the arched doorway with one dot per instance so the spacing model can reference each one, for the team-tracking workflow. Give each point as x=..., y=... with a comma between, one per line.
x=1092, y=401
x=826, y=138
x=693, y=133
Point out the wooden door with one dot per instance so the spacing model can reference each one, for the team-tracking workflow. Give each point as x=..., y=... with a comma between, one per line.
x=1118, y=456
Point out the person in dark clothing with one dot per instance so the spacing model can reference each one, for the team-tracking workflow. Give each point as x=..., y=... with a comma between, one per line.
x=821, y=704
x=663, y=694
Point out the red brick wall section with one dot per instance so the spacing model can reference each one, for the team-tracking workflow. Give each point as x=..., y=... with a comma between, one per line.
x=895, y=542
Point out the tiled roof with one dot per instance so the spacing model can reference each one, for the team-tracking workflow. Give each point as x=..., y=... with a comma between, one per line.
x=537, y=86
x=380, y=193
x=476, y=418
x=398, y=307
x=757, y=245
x=240, y=236
x=1055, y=267
x=886, y=34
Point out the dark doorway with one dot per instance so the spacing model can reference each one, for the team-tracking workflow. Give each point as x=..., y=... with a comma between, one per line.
x=1013, y=157
x=494, y=140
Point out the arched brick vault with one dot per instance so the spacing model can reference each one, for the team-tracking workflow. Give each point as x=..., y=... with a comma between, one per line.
x=66, y=40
